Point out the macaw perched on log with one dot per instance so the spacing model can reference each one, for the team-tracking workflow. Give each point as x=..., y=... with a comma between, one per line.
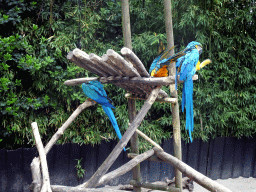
x=186, y=67
x=159, y=67
x=95, y=91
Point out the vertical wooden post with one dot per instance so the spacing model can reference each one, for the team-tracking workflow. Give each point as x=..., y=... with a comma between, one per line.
x=131, y=102
x=126, y=24
x=175, y=106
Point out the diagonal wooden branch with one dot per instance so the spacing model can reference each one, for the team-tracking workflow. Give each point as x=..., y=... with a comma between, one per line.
x=126, y=167
x=123, y=142
x=42, y=155
x=149, y=140
x=61, y=130
x=152, y=158
x=191, y=173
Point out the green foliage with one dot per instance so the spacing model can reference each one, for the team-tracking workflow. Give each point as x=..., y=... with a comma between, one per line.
x=33, y=67
x=224, y=95
x=79, y=169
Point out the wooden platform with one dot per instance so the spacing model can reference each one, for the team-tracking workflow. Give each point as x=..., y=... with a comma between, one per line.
x=126, y=71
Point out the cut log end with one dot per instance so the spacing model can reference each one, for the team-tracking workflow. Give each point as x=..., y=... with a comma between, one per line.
x=125, y=51
x=70, y=55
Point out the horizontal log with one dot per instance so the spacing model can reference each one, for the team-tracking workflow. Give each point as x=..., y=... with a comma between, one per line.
x=154, y=186
x=135, y=61
x=152, y=158
x=61, y=188
x=123, y=82
x=164, y=100
x=152, y=81
x=126, y=67
x=80, y=81
x=126, y=167
x=191, y=173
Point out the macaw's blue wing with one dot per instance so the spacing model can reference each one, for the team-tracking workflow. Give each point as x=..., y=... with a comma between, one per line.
x=178, y=66
x=95, y=91
x=159, y=66
x=186, y=68
x=96, y=94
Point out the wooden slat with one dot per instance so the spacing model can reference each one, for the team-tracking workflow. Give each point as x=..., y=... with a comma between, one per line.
x=84, y=58
x=71, y=57
x=126, y=67
x=135, y=61
x=106, y=67
x=117, y=68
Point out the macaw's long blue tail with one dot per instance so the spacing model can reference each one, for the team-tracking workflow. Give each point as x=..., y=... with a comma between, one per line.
x=112, y=118
x=187, y=100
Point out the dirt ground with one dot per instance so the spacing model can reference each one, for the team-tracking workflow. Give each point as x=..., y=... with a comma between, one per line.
x=235, y=185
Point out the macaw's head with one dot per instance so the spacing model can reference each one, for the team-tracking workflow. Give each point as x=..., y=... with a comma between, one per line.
x=194, y=45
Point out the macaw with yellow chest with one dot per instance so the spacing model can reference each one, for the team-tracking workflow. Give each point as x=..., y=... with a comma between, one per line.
x=95, y=91
x=186, y=67
x=187, y=63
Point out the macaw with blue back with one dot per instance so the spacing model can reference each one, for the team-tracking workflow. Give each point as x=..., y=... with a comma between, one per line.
x=186, y=67
x=159, y=67
x=95, y=91
x=187, y=63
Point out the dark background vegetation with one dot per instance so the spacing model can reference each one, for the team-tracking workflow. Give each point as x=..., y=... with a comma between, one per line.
x=35, y=37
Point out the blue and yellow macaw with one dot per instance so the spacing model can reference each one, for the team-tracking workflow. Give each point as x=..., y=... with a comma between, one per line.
x=95, y=91
x=159, y=67
x=186, y=67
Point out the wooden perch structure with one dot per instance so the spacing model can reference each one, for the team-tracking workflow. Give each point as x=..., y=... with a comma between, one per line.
x=35, y=165
x=191, y=173
x=128, y=73
x=126, y=167
x=93, y=181
x=42, y=155
x=154, y=186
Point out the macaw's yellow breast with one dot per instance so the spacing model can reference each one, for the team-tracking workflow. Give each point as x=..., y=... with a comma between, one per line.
x=162, y=72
